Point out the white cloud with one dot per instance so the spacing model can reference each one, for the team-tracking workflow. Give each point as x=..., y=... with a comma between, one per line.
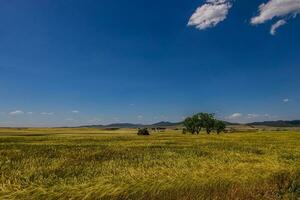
x=270, y=116
x=286, y=100
x=16, y=112
x=276, y=26
x=235, y=116
x=140, y=117
x=75, y=111
x=47, y=113
x=250, y=116
x=210, y=14
x=279, y=9
x=276, y=8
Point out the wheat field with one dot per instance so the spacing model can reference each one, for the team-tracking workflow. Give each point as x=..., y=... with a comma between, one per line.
x=87, y=163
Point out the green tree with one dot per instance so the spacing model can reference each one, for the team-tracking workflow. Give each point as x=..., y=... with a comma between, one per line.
x=198, y=123
x=207, y=121
x=220, y=126
x=190, y=125
x=193, y=124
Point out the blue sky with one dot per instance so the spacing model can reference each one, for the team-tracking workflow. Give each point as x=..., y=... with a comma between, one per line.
x=78, y=62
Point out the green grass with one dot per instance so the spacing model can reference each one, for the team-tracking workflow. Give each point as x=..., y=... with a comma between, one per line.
x=98, y=164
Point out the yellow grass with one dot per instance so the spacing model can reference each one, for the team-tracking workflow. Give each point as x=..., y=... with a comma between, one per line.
x=100, y=164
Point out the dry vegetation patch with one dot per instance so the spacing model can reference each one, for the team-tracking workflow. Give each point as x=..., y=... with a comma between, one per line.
x=118, y=164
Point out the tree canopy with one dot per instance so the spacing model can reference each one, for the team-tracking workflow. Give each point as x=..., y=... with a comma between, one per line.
x=207, y=121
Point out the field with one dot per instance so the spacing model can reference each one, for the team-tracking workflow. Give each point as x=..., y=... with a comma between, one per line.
x=102, y=164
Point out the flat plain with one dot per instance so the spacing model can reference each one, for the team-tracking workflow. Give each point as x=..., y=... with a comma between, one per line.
x=88, y=163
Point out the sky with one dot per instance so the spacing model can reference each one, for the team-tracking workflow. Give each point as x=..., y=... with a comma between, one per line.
x=74, y=62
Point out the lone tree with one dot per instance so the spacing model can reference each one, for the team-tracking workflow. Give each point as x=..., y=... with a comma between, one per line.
x=198, y=123
x=189, y=125
x=208, y=121
x=193, y=124
x=220, y=126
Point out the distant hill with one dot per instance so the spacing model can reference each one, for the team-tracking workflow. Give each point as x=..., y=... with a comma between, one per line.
x=280, y=123
x=166, y=124
x=116, y=125
x=129, y=125
x=123, y=125
x=231, y=123
x=162, y=124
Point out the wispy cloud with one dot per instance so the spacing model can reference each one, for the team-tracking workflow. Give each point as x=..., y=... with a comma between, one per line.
x=47, y=113
x=75, y=111
x=276, y=26
x=235, y=116
x=252, y=115
x=210, y=14
x=283, y=9
x=268, y=116
x=240, y=117
x=286, y=100
x=16, y=112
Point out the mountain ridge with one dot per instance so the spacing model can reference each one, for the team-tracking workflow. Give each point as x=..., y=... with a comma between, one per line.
x=278, y=123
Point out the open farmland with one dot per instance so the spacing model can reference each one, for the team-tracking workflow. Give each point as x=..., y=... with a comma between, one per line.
x=91, y=163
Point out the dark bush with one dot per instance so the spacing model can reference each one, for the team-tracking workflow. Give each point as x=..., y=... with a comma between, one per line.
x=143, y=131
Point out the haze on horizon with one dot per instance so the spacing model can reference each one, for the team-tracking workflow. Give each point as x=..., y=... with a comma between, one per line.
x=69, y=63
